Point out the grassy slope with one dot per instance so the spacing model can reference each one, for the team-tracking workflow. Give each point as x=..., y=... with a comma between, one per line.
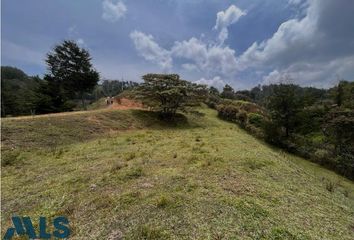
x=207, y=179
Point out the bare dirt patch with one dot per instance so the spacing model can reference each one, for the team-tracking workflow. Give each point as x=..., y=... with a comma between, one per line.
x=124, y=104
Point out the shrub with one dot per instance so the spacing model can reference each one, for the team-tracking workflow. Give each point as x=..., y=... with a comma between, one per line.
x=255, y=119
x=320, y=155
x=345, y=164
x=272, y=133
x=242, y=118
x=227, y=112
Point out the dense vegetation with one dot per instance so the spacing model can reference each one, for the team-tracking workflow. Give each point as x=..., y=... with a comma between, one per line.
x=315, y=123
x=113, y=88
x=25, y=95
x=18, y=92
x=71, y=82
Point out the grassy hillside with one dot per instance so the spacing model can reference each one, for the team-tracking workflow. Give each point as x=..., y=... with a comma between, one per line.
x=124, y=174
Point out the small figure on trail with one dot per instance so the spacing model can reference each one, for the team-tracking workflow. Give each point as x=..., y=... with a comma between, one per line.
x=108, y=100
x=112, y=100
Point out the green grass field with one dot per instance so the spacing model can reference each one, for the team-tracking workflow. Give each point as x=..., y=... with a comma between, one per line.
x=125, y=175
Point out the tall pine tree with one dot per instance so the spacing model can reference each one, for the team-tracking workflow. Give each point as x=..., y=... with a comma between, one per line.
x=70, y=74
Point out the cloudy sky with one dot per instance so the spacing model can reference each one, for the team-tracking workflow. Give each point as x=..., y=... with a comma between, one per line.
x=239, y=42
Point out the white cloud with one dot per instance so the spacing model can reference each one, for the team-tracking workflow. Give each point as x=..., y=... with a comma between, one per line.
x=226, y=18
x=295, y=2
x=314, y=74
x=276, y=77
x=74, y=34
x=312, y=49
x=150, y=50
x=215, y=82
x=81, y=42
x=112, y=12
x=211, y=59
x=189, y=67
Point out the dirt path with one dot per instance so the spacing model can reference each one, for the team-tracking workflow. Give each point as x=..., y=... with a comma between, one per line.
x=124, y=104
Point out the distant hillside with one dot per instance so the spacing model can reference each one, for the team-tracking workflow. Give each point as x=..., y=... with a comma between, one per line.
x=123, y=174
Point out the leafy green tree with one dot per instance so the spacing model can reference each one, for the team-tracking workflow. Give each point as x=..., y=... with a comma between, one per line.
x=168, y=93
x=50, y=99
x=339, y=130
x=114, y=87
x=214, y=91
x=70, y=72
x=344, y=94
x=17, y=92
x=228, y=92
x=213, y=98
x=284, y=106
x=340, y=93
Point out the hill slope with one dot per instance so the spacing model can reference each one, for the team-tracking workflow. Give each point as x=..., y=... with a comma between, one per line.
x=125, y=174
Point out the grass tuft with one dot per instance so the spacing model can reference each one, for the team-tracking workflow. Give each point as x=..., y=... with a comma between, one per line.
x=146, y=232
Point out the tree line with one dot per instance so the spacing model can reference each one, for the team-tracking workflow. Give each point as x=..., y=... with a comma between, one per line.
x=71, y=82
x=317, y=124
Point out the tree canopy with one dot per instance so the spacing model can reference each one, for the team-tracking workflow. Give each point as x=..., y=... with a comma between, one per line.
x=17, y=92
x=70, y=72
x=167, y=93
x=284, y=106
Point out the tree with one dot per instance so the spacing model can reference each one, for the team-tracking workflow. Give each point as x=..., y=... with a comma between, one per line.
x=213, y=91
x=213, y=98
x=115, y=87
x=228, y=92
x=339, y=130
x=70, y=71
x=50, y=99
x=17, y=92
x=344, y=94
x=340, y=93
x=168, y=93
x=284, y=106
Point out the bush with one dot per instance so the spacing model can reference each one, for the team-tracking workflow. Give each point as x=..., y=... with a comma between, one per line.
x=272, y=133
x=320, y=155
x=212, y=101
x=227, y=112
x=345, y=164
x=241, y=117
x=255, y=119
